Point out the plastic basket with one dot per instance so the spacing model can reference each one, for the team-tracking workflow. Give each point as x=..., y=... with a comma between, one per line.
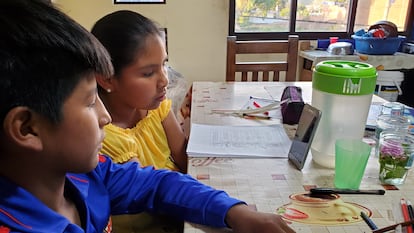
x=377, y=46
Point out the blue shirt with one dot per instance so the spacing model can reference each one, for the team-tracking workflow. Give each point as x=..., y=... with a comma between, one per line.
x=115, y=189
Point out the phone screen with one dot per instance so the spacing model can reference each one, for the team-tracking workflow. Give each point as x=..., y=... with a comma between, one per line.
x=308, y=122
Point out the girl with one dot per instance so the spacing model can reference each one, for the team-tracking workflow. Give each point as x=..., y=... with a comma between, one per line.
x=143, y=128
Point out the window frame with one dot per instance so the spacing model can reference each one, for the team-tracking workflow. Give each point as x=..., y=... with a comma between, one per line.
x=408, y=29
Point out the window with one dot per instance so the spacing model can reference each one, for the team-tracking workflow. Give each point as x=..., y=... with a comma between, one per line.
x=313, y=19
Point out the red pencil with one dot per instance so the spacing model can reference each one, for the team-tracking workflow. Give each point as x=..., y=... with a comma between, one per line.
x=406, y=215
x=257, y=105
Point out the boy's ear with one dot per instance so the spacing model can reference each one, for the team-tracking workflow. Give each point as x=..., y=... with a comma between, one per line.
x=22, y=126
x=105, y=82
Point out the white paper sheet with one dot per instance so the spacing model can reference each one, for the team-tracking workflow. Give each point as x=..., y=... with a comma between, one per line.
x=374, y=111
x=238, y=141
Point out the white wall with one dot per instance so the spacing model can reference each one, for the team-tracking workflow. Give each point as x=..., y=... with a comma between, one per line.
x=197, y=30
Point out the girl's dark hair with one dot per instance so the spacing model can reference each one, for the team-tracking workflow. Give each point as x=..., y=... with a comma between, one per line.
x=43, y=56
x=123, y=34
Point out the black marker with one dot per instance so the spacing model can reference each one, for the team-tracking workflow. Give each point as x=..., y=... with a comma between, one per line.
x=345, y=191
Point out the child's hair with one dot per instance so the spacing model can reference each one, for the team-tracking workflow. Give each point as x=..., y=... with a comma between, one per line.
x=123, y=34
x=43, y=56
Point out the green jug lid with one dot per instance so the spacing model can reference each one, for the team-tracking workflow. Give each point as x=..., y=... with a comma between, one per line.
x=344, y=77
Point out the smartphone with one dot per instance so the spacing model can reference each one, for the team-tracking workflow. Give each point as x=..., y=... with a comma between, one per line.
x=307, y=125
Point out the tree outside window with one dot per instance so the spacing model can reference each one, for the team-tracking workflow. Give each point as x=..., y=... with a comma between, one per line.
x=315, y=18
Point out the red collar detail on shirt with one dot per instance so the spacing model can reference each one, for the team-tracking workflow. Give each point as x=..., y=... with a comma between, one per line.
x=4, y=229
x=102, y=159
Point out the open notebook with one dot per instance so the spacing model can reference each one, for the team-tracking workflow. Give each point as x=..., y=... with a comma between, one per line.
x=238, y=141
x=265, y=136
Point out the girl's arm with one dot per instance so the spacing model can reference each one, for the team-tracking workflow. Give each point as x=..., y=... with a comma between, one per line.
x=177, y=141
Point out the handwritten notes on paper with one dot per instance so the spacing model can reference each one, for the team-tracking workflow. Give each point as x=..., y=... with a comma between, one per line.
x=238, y=141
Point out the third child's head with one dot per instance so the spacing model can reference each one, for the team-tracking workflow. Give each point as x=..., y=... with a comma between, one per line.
x=139, y=58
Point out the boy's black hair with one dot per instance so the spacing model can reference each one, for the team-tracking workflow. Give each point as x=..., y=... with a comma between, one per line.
x=124, y=33
x=43, y=56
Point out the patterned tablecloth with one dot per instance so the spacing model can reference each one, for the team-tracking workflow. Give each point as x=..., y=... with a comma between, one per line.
x=266, y=183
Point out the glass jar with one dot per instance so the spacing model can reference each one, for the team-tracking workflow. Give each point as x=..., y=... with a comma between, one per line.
x=391, y=123
x=395, y=153
x=393, y=108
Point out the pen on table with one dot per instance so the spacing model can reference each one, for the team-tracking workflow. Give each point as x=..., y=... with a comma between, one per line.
x=368, y=221
x=346, y=191
x=257, y=105
x=410, y=211
x=263, y=99
x=392, y=227
x=256, y=117
x=398, y=229
x=405, y=213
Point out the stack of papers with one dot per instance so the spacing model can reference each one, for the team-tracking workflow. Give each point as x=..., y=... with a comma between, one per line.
x=374, y=112
x=238, y=141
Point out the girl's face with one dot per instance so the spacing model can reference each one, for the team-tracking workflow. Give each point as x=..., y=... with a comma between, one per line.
x=142, y=85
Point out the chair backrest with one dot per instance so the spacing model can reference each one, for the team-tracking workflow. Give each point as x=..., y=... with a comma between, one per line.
x=263, y=70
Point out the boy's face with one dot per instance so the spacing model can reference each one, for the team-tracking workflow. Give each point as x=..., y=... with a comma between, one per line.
x=77, y=139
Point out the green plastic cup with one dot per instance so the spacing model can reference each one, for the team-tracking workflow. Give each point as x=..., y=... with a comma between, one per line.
x=351, y=157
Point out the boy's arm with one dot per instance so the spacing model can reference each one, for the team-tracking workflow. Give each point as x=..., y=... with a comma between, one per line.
x=133, y=189
x=244, y=220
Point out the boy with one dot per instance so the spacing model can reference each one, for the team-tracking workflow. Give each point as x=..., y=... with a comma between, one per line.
x=51, y=178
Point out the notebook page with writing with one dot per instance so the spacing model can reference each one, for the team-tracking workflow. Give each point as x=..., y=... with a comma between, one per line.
x=238, y=141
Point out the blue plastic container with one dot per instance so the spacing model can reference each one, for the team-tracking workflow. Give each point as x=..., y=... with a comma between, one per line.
x=323, y=44
x=377, y=46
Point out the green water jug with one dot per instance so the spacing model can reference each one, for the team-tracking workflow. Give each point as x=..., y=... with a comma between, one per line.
x=343, y=91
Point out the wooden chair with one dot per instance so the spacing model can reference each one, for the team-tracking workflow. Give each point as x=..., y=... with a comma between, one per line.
x=263, y=70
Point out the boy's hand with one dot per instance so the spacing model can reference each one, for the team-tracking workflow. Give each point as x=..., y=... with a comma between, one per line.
x=244, y=220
